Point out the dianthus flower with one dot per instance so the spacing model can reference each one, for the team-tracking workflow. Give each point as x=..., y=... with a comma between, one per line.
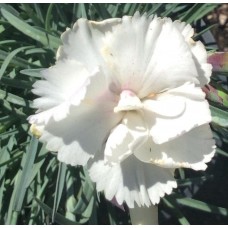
x=125, y=99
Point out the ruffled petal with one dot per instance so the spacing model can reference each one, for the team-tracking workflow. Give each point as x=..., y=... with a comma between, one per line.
x=85, y=127
x=142, y=59
x=166, y=126
x=63, y=85
x=199, y=53
x=126, y=137
x=191, y=150
x=185, y=29
x=124, y=52
x=132, y=181
x=204, y=69
x=84, y=41
x=64, y=82
x=171, y=63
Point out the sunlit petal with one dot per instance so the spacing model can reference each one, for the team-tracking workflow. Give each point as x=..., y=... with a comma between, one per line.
x=193, y=111
x=132, y=181
x=125, y=138
x=191, y=150
x=81, y=131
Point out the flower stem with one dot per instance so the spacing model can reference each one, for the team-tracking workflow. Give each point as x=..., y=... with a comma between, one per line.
x=144, y=215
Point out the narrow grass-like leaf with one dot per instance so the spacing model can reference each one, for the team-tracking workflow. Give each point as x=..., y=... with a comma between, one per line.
x=32, y=72
x=102, y=11
x=3, y=42
x=82, y=11
x=219, y=116
x=208, y=28
x=173, y=207
x=70, y=194
x=87, y=213
x=111, y=214
x=133, y=8
x=58, y=217
x=62, y=15
x=127, y=7
x=11, y=160
x=115, y=10
x=195, y=180
x=84, y=198
x=17, y=61
x=21, y=183
x=221, y=152
x=5, y=156
x=21, y=84
x=9, y=8
x=14, y=99
x=59, y=187
x=170, y=10
x=7, y=123
x=48, y=17
x=202, y=206
x=35, y=51
x=37, y=166
x=13, y=110
x=8, y=133
x=10, y=57
x=31, y=14
x=181, y=173
x=38, y=10
x=36, y=34
x=197, y=11
x=155, y=8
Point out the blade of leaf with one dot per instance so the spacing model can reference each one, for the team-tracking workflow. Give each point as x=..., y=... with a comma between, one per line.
x=21, y=184
x=202, y=206
x=58, y=217
x=174, y=209
x=32, y=72
x=14, y=99
x=102, y=11
x=36, y=34
x=219, y=116
x=17, y=61
x=48, y=17
x=171, y=8
x=10, y=57
x=223, y=153
x=59, y=187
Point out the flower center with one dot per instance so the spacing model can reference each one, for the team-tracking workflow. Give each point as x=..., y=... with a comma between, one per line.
x=128, y=101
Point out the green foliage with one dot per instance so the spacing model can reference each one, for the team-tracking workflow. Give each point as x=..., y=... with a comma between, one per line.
x=34, y=187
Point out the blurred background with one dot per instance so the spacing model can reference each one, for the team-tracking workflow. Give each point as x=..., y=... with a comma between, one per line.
x=219, y=16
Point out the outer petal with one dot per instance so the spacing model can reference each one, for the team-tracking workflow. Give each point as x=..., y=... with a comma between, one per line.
x=85, y=128
x=199, y=53
x=125, y=138
x=191, y=150
x=63, y=85
x=132, y=181
x=171, y=63
x=204, y=69
x=124, y=52
x=142, y=58
x=165, y=126
x=84, y=41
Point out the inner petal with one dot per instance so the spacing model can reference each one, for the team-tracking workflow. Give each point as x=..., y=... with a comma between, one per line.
x=128, y=101
x=126, y=137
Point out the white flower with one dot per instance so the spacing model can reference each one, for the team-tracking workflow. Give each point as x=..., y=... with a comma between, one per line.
x=125, y=98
